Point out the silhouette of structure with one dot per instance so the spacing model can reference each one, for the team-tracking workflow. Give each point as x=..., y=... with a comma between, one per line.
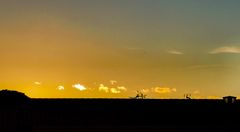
x=140, y=95
x=14, y=112
x=230, y=99
x=187, y=96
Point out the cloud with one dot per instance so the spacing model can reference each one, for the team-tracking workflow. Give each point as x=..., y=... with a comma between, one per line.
x=159, y=90
x=122, y=88
x=37, y=83
x=145, y=90
x=174, y=90
x=175, y=52
x=103, y=88
x=226, y=49
x=79, y=87
x=115, y=90
x=164, y=90
x=60, y=88
x=113, y=82
x=196, y=92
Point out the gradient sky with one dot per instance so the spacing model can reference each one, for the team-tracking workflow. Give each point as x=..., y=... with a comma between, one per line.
x=112, y=48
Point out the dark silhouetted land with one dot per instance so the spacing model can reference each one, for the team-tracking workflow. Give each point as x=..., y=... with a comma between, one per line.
x=135, y=114
x=123, y=115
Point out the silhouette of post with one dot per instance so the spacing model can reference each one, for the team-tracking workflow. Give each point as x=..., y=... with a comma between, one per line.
x=14, y=112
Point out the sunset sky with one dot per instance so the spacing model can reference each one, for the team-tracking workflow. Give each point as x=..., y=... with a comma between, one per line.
x=112, y=48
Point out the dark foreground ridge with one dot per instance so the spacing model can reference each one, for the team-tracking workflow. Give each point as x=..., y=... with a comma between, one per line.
x=121, y=115
x=15, y=110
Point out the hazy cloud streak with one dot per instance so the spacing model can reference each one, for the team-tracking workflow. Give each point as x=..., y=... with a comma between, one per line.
x=225, y=49
x=175, y=52
x=164, y=90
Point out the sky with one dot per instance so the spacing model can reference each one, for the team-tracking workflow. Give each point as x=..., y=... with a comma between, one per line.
x=114, y=48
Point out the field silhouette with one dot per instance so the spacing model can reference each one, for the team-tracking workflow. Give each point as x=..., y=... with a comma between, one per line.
x=19, y=113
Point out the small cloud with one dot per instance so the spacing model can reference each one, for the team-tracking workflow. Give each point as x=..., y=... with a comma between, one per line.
x=225, y=49
x=164, y=90
x=103, y=88
x=37, y=83
x=174, y=90
x=113, y=82
x=145, y=90
x=115, y=91
x=60, y=88
x=175, y=52
x=196, y=92
x=122, y=88
x=79, y=87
